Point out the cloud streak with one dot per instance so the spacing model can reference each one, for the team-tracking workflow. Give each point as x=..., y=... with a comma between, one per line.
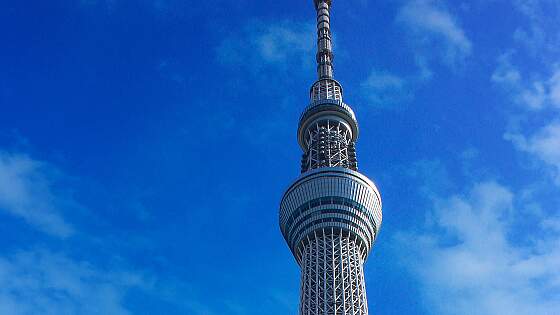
x=26, y=192
x=539, y=36
x=277, y=46
x=43, y=282
x=544, y=145
x=535, y=94
x=432, y=25
x=436, y=37
x=386, y=90
x=468, y=258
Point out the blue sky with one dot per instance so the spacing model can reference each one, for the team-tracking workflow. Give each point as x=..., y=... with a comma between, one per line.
x=145, y=145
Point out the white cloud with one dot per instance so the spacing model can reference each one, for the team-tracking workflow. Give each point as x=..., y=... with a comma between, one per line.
x=554, y=88
x=432, y=24
x=43, y=282
x=544, y=145
x=506, y=73
x=26, y=192
x=539, y=36
x=385, y=89
x=469, y=259
x=533, y=94
x=537, y=90
x=273, y=44
x=280, y=41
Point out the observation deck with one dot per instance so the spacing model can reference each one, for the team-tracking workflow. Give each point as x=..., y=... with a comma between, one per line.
x=330, y=200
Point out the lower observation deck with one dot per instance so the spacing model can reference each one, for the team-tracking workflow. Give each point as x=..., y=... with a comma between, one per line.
x=330, y=200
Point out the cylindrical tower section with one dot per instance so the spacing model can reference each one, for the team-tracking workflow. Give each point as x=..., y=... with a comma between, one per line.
x=330, y=198
x=327, y=135
x=330, y=218
x=332, y=275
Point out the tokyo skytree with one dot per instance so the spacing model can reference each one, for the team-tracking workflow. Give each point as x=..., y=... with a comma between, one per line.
x=331, y=214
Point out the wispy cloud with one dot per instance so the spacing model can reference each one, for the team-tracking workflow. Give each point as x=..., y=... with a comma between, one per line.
x=544, y=145
x=26, y=192
x=384, y=89
x=270, y=57
x=43, y=282
x=436, y=36
x=432, y=25
x=554, y=88
x=535, y=129
x=534, y=94
x=277, y=45
x=538, y=36
x=506, y=73
x=468, y=256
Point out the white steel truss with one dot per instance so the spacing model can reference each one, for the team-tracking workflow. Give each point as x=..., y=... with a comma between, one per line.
x=329, y=144
x=332, y=278
x=326, y=89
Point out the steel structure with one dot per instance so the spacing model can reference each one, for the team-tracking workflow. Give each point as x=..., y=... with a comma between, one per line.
x=331, y=215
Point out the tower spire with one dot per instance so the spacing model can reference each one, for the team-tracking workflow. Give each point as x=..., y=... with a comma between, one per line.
x=324, y=40
x=326, y=88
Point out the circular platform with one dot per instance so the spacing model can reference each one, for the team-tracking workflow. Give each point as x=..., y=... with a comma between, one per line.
x=330, y=200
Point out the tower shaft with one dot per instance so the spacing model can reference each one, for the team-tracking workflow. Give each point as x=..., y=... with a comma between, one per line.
x=332, y=277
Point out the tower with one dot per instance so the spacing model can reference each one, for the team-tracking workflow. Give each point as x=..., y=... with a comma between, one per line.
x=331, y=214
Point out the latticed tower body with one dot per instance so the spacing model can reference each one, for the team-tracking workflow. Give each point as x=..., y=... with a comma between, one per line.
x=331, y=214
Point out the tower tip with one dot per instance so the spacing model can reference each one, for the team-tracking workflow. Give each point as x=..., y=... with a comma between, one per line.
x=317, y=2
x=324, y=42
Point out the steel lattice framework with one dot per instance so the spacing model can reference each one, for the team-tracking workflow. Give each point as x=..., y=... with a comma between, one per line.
x=329, y=144
x=331, y=215
x=332, y=280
